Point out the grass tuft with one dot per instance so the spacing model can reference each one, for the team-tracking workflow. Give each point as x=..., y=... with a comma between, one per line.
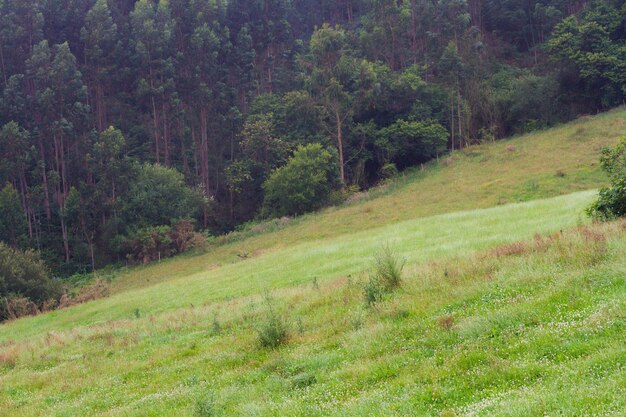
x=205, y=406
x=388, y=266
x=272, y=332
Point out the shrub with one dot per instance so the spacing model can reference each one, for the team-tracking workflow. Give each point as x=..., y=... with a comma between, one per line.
x=388, y=268
x=272, y=332
x=407, y=143
x=304, y=184
x=15, y=306
x=24, y=276
x=388, y=171
x=205, y=406
x=158, y=196
x=303, y=380
x=373, y=290
x=611, y=202
x=386, y=277
x=156, y=242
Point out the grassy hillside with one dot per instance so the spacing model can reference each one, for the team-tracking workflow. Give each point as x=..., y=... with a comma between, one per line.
x=545, y=164
x=533, y=329
x=523, y=329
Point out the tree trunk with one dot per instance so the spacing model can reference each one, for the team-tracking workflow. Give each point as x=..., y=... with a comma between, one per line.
x=204, y=151
x=4, y=71
x=100, y=108
x=166, y=136
x=339, y=122
x=25, y=201
x=155, y=125
x=66, y=244
x=46, y=192
x=458, y=112
x=452, y=121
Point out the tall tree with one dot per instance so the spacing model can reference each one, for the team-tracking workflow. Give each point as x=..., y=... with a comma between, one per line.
x=99, y=38
x=152, y=31
x=332, y=72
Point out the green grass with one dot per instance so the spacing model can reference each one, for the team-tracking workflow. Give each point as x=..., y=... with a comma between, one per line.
x=538, y=333
x=419, y=240
x=478, y=177
x=528, y=328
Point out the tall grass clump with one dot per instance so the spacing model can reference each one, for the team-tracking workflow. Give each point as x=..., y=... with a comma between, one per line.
x=386, y=276
x=388, y=266
x=273, y=330
x=205, y=407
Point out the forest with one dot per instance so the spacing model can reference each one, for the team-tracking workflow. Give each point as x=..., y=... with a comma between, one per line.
x=134, y=130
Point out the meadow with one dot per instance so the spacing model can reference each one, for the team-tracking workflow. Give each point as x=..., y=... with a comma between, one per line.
x=511, y=304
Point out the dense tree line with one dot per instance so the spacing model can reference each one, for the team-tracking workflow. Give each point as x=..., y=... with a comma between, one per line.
x=123, y=122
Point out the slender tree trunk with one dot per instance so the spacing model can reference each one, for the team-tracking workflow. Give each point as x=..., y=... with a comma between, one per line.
x=46, y=192
x=339, y=122
x=458, y=112
x=413, y=32
x=166, y=135
x=89, y=239
x=196, y=149
x=204, y=150
x=155, y=119
x=25, y=200
x=66, y=244
x=270, y=69
x=4, y=71
x=155, y=124
x=91, y=254
x=100, y=108
x=452, y=121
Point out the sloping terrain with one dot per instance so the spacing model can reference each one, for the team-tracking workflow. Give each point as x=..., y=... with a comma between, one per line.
x=500, y=312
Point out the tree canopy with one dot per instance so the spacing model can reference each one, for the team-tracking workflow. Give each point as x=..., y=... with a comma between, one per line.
x=125, y=116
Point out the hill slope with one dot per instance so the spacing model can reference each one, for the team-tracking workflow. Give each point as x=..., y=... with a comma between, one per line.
x=475, y=333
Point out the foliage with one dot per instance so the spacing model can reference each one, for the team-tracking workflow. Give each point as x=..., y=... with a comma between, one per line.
x=23, y=275
x=388, y=268
x=205, y=406
x=386, y=277
x=12, y=222
x=304, y=184
x=153, y=243
x=223, y=91
x=592, y=51
x=272, y=332
x=158, y=196
x=611, y=202
x=408, y=143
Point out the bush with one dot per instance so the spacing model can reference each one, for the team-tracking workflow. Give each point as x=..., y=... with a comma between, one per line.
x=373, y=291
x=611, y=202
x=303, y=380
x=304, y=184
x=388, y=268
x=15, y=306
x=24, y=275
x=386, y=277
x=408, y=143
x=155, y=242
x=159, y=196
x=272, y=332
x=205, y=407
x=388, y=171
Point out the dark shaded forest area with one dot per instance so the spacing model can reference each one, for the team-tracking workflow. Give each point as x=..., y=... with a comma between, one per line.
x=128, y=126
